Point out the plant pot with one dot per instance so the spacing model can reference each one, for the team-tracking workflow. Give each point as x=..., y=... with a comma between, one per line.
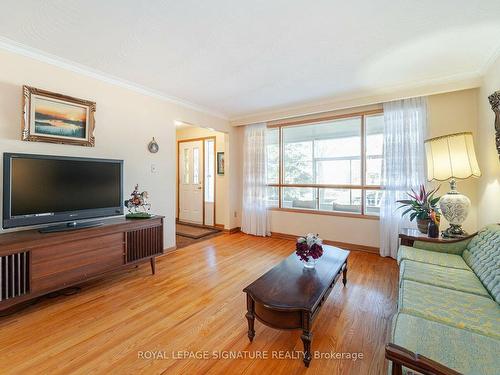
x=423, y=225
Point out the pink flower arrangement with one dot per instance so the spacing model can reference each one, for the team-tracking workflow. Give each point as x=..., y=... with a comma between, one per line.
x=309, y=246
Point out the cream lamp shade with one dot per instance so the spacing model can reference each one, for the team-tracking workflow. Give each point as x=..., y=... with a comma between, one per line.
x=451, y=156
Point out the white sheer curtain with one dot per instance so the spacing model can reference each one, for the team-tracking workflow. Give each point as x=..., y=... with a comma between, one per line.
x=255, y=217
x=403, y=166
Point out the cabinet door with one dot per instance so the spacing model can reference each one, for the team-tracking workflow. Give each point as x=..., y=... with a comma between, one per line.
x=64, y=264
x=144, y=243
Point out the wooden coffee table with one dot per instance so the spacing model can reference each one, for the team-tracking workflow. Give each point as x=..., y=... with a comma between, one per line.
x=290, y=296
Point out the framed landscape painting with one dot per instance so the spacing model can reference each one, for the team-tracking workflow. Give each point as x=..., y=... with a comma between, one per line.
x=56, y=118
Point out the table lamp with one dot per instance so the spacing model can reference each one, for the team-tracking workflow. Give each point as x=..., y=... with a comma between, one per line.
x=452, y=157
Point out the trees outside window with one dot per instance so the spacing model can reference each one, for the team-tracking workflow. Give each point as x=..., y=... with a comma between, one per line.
x=330, y=165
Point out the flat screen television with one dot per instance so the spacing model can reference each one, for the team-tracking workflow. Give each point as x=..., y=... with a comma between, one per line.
x=41, y=189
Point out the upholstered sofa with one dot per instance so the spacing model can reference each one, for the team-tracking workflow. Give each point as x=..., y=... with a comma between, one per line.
x=448, y=317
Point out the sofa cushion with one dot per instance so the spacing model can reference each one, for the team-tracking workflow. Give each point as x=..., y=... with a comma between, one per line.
x=461, y=350
x=431, y=257
x=445, y=277
x=482, y=255
x=451, y=247
x=458, y=309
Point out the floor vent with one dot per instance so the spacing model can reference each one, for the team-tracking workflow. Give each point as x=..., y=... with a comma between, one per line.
x=14, y=275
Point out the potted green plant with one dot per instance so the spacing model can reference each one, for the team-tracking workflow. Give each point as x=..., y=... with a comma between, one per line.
x=420, y=205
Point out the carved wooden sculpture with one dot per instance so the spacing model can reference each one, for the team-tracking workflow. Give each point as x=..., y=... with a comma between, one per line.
x=495, y=106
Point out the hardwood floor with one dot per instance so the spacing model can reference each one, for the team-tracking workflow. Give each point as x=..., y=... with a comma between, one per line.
x=195, y=303
x=181, y=241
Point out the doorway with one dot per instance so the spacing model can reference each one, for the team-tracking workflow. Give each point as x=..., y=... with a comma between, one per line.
x=196, y=181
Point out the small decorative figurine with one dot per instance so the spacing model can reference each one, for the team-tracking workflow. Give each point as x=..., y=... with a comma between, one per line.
x=434, y=224
x=138, y=206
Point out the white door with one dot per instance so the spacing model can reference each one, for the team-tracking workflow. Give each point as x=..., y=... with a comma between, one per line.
x=191, y=182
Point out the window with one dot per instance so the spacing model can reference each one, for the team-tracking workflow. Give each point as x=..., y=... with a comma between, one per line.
x=327, y=165
x=196, y=165
x=185, y=163
x=374, y=128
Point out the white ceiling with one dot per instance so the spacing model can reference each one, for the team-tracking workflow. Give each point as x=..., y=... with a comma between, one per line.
x=237, y=57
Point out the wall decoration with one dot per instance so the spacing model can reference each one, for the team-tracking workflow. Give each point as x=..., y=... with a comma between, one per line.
x=309, y=249
x=153, y=147
x=220, y=163
x=56, y=118
x=495, y=106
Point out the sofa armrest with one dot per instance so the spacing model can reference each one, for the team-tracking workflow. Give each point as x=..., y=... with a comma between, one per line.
x=400, y=357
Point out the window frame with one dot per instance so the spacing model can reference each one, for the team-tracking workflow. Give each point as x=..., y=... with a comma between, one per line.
x=363, y=186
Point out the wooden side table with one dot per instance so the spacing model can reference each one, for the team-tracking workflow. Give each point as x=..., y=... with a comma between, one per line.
x=409, y=236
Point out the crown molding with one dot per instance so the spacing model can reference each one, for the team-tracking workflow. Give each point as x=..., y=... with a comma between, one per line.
x=495, y=56
x=33, y=53
x=435, y=86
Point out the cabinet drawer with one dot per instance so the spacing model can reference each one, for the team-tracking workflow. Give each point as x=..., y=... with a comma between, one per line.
x=64, y=264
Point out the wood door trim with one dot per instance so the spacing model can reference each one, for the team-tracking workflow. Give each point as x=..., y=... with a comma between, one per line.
x=363, y=164
x=328, y=186
x=327, y=213
x=203, y=203
x=300, y=120
x=202, y=139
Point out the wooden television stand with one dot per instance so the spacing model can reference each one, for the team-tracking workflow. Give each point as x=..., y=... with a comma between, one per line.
x=33, y=263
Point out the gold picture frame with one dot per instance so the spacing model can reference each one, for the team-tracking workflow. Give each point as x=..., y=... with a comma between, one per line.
x=56, y=118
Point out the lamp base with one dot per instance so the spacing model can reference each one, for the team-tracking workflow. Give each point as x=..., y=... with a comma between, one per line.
x=455, y=208
x=454, y=231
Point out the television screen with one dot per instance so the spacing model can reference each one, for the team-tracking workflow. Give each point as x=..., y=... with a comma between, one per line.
x=47, y=188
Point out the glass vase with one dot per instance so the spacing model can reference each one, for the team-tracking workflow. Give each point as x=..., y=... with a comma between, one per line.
x=310, y=263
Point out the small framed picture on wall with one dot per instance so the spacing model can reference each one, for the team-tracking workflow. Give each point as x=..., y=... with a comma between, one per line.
x=220, y=163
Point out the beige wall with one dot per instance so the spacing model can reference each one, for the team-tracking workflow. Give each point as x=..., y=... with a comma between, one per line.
x=125, y=122
x=221, y=207
x=334, y=228
x=489, y=183
x=234, y=161
x=448, y=113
